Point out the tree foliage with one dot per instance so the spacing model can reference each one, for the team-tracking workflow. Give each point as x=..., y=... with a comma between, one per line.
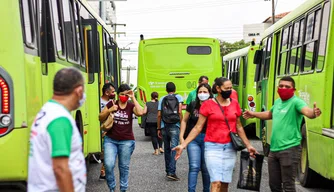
x=226, y=47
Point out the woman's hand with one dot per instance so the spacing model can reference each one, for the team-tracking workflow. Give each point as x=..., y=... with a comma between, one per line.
x=248, y=114
x=178, y=150
x=252, y=151
x=113, y=108
x=181, y=140
x=131, y=94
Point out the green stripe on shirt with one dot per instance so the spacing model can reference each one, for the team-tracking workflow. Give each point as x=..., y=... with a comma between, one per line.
x=60, y=131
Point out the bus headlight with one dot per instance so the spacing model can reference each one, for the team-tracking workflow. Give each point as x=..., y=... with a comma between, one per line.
x=5, y=120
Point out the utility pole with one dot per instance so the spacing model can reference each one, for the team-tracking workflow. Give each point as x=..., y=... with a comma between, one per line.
x=273, y=10
x=114, y=25
x=128, y=69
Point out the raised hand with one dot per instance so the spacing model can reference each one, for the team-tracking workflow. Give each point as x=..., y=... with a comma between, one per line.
x=247, y=114
x=316, y=110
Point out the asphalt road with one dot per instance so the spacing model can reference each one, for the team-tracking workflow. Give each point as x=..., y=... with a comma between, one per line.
x=147, y=171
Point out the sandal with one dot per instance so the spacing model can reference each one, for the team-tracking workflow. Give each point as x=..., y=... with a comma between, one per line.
x=161, y=150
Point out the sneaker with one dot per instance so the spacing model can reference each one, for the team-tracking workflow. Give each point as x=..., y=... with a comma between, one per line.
x=173, y=177
x=102, y=177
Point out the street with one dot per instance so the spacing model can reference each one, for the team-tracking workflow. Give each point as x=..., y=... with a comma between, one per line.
x=147, y=171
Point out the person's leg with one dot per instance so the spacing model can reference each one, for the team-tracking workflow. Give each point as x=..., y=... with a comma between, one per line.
x=110, y=153
x=174, y=135
x=205, y=173
x=274, y=169
x=125, y=150
x=167, y=154
x=194, y=159
x=154, y=136
x=289, y=159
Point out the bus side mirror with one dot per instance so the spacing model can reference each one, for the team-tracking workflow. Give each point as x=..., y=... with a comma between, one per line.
x=258, y=57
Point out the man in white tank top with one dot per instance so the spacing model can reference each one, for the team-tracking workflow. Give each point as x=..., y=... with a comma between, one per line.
x=56, y=160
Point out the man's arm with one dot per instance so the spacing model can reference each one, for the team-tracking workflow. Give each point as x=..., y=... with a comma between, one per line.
x=266, y=115
x=180, y=111
x=63, y=174
x=311, y=113
x=60, y=133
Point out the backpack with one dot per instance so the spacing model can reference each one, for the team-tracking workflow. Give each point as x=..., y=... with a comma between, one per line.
x=170, y=109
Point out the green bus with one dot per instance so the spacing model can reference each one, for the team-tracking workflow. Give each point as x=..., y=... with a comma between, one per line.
x=299, y=45
x=39, y=37
x=181, y=60
x=240, y=69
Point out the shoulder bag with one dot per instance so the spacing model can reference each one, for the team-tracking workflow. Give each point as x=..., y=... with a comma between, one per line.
x=237, y=142
x=108, y=123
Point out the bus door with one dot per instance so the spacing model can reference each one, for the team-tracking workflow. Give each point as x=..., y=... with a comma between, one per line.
x=92, y=62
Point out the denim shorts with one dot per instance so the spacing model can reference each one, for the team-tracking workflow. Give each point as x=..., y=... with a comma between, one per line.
x=220, y=161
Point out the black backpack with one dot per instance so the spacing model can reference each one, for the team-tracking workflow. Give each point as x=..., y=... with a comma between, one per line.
x=170, y=109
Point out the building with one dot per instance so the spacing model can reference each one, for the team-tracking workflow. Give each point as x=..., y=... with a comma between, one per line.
x=105, y=9
x=255, y=31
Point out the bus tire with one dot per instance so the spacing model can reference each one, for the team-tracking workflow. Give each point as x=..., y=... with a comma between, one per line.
x=306, y=176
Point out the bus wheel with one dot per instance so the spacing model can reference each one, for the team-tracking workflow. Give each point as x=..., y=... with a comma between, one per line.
x=306, y=176
x=265, y=145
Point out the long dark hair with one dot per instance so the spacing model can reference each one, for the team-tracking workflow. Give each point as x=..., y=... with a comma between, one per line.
x=154, y=95
x=219, y=81
x=198, y=104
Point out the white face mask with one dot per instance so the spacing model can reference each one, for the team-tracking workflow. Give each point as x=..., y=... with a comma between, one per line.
x=203, y=96
x=82, y=100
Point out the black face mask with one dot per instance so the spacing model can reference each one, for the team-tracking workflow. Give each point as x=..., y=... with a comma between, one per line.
x=112, y=96
x=226, y=94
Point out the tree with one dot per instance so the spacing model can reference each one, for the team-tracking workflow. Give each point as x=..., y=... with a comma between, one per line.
x=226, y=47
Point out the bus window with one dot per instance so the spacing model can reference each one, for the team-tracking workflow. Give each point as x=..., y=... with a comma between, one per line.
x=199, y=50
x=58, y=29
x=28, y=25
x=284, y=51
x=311, y=40
x=267, y=56
x=77, y=31
x=245, y=66
x=295, y=51
x=323, y=37
x=69, y=31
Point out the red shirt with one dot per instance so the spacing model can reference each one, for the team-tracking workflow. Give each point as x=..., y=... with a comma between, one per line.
x=122, y=127
x=217, y=131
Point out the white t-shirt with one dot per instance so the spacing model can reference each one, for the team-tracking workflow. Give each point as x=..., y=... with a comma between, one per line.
x=103, y=103
x=54, y=134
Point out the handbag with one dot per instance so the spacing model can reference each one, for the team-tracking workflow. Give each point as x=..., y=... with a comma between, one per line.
x=237, y=142
x=108, y=123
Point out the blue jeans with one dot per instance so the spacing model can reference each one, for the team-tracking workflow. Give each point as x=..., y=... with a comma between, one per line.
x=196, y=161
x=124, y=150
x=170, y=134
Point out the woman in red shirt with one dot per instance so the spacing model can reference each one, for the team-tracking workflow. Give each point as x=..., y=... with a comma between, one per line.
x=219, y=154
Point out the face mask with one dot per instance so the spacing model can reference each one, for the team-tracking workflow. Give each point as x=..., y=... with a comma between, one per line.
x=82, y=100
x=112, y=96
x=285, y=94
x=123, y=98
x=226, y=94
x=203, y=96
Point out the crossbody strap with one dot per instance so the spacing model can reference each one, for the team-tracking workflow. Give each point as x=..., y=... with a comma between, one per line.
x=222, y=110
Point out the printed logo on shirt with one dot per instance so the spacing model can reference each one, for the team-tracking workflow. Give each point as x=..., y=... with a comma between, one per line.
x=121, y=118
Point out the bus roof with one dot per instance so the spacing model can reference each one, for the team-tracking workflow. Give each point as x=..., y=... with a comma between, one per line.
x=303, y=8
x=235, y=54
x=179, y=38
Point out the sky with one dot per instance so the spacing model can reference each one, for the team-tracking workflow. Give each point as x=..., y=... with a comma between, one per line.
x=222, y=19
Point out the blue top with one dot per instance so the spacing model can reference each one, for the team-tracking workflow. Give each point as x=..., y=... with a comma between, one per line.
x=179, y=98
